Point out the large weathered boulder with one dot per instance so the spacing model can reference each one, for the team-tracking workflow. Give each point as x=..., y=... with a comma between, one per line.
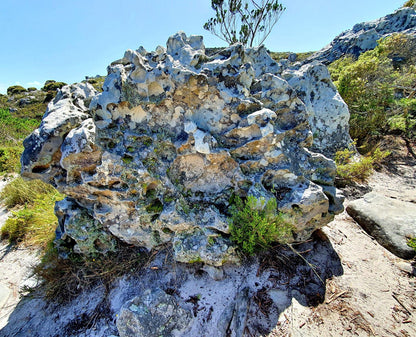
x=175, y=135
x=364, y=36
x=390, y=221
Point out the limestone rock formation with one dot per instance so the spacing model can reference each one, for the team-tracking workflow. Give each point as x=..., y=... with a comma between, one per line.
x=364, y=36
x=158, y=155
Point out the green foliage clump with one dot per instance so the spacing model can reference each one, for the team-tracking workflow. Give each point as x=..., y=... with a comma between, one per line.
x=10, y=159
x=12, y=133
x=51, y=85
x=351, y=169
x=97, y=82
x=412, y=243
x=255, y=224
x=248, y=22
x=34, y=221
x=15, y=129
x=379, y=88
x=410, y=3
x=15, y=89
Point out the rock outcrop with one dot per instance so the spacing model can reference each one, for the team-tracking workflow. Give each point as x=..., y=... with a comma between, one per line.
x=158, y=155
x=364, y=36
x=390, y=221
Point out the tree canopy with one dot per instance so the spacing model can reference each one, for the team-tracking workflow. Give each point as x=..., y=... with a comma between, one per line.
x=248, y=22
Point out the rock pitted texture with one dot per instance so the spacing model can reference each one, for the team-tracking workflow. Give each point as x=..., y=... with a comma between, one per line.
x=159, y=154
x=390, y=221
x=364, y=36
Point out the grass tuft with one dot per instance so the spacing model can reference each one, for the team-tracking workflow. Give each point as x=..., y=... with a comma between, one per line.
x=33, y=223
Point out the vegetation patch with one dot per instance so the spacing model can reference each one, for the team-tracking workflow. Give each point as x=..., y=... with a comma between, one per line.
x=379, y=89
x=351, y=168
x=33, y=221
x=66, y=278
x=255, y=224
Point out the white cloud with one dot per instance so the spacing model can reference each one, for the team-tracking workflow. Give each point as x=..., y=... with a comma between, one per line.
x=33, y=84
x=3, y=88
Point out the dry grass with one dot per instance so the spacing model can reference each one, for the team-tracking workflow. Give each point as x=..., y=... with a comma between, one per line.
x=65, y=278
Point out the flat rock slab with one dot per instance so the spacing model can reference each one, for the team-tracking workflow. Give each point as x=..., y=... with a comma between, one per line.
x=390, y=221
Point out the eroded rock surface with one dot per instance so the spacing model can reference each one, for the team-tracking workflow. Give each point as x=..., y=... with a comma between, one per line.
x=159, y=154
x=364, y=36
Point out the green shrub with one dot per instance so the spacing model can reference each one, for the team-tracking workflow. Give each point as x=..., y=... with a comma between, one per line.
x=352, y=169
x=412, y=243
x=15, y=89
x=376, y=88
x=255, y=224
x=10, y=159
x=410, y=3
x=31, y=89
x=15, y=129
x=51, y=85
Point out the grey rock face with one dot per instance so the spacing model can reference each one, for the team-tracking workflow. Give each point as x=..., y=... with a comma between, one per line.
x=364, y=36
x=159, y=154
x=327, y=113
x=154, y=314
x=390, y=221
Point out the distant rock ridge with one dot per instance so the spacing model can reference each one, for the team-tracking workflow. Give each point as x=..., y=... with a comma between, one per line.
x=158, y=155
x=364, y=36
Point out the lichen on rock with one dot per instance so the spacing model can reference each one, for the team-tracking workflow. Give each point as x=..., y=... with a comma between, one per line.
x=160, y=153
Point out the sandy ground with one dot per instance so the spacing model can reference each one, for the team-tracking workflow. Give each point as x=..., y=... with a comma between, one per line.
x=375, y=295
x=15, y=270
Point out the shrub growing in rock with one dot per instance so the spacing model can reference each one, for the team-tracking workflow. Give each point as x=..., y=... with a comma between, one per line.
x=51, y=85
x=255, y=224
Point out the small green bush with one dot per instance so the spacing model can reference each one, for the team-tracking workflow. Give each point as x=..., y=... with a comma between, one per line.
x=10, y=159
x=412, y=243
x=52, y=85
x=15, y=89
x=378, y=89
x=350, y=169
x=410, y=3
x=31, y=89
x=255, y=224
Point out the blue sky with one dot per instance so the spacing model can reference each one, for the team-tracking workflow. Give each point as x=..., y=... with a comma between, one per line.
x=67, y=40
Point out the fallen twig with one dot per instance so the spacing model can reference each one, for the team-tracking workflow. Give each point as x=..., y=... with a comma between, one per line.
x=306, y=261
x=334, y=297
x=400, y=302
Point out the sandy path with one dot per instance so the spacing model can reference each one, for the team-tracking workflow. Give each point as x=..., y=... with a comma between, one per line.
x=15, y=270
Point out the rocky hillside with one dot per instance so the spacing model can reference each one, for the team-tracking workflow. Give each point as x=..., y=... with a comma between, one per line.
x=364, y=36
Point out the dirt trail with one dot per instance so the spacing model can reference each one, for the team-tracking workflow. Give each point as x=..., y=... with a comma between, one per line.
x=376, y=295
